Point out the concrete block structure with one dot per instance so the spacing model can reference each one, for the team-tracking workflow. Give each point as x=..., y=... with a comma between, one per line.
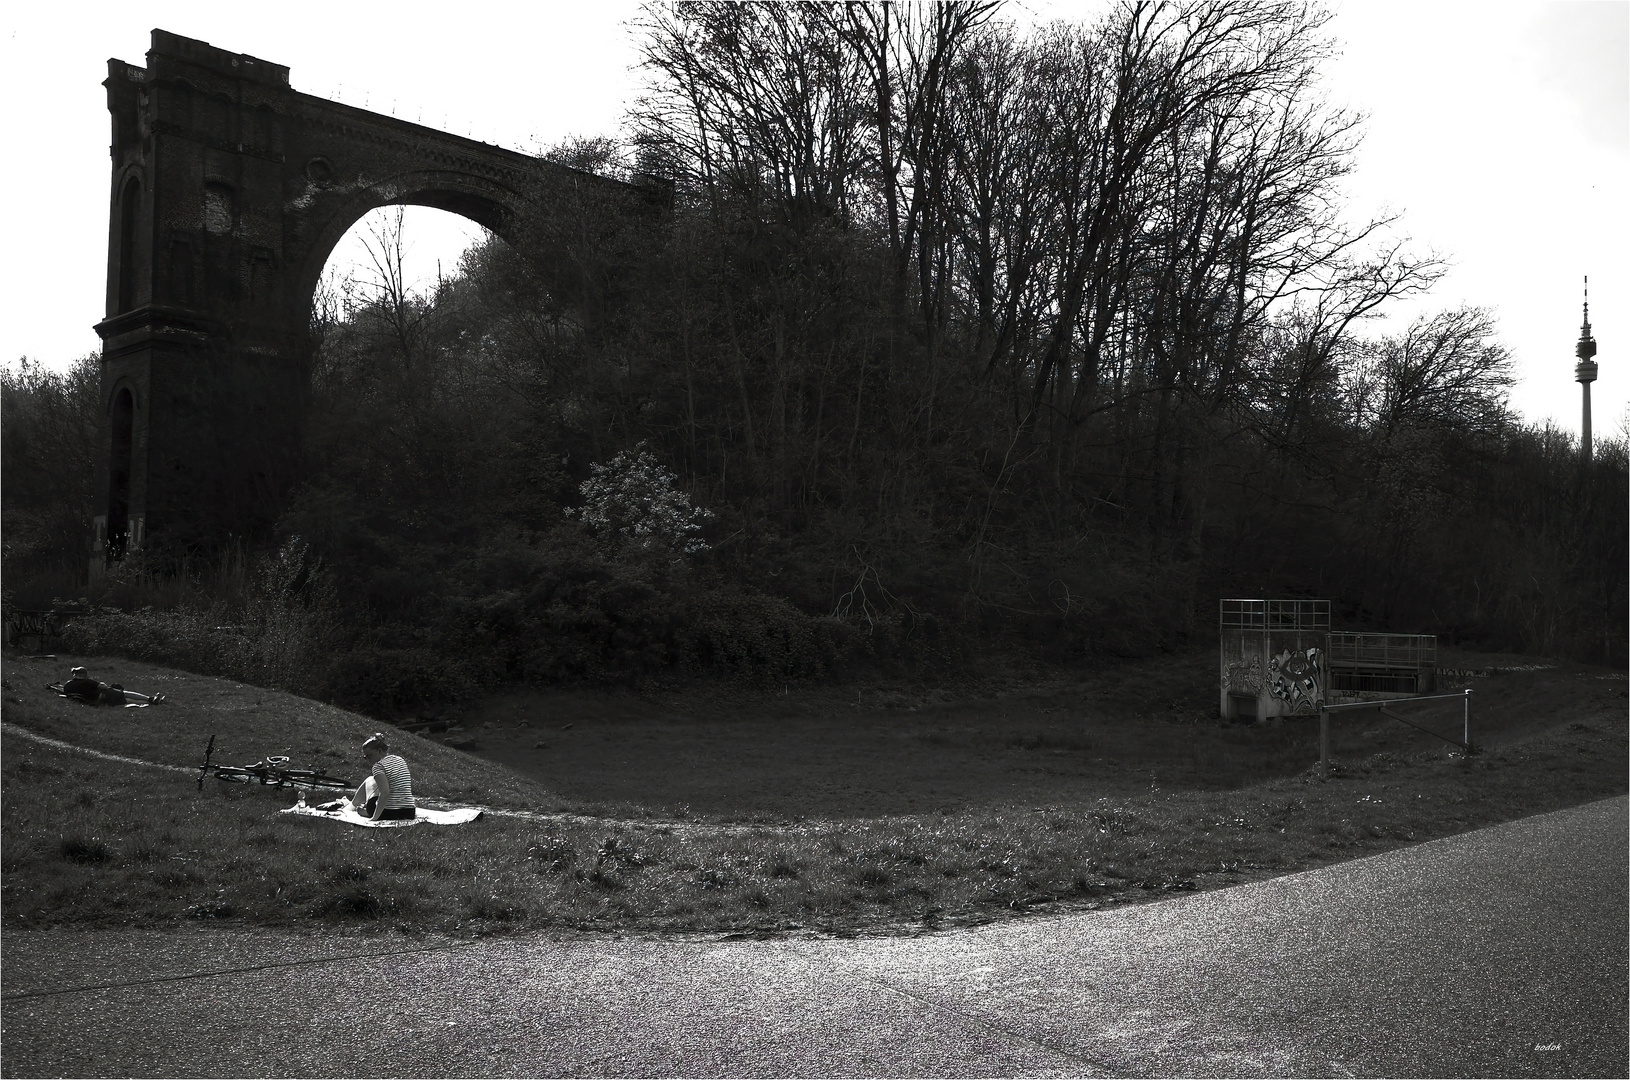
x=1280, y=658
x=1272, y=657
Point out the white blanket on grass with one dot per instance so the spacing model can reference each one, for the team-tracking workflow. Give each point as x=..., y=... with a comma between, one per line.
x=347, y=813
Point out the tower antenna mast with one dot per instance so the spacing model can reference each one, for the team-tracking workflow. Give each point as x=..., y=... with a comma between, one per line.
x=1584, y=373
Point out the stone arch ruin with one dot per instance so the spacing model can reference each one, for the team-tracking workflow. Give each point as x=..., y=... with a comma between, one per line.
x=230, y=189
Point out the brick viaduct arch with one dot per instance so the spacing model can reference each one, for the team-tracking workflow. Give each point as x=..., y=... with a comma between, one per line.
x=230, y=189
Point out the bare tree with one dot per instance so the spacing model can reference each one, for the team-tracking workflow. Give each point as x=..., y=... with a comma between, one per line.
x=385, y=296
x=1444, y=371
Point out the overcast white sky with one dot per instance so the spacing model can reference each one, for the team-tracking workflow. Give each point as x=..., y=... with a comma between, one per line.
x=1498, y=129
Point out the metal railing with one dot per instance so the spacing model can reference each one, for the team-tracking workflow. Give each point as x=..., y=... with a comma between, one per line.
x=1384, y=651
x=1380, y=663
x=1273, y=614
x=1465, y=742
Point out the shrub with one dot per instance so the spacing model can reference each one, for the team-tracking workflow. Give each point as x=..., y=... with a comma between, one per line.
x=742, y=632
x=632, y=498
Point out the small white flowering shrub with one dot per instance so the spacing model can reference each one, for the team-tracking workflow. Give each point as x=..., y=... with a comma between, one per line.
x=633, y=496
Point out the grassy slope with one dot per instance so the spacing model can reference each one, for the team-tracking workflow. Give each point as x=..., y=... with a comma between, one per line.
x=94, y=842
x=892, y=745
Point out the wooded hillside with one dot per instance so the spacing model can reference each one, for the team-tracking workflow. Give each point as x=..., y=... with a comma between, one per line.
x=957, y=342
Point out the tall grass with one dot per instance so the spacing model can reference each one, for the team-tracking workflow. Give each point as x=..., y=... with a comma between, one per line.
x=270, y=619
x=222, y=582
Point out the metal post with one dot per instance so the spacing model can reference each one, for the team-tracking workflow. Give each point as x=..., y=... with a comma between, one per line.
x=1324, y=741
x=1468, y=728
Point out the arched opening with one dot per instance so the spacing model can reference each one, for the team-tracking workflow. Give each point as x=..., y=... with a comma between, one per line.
x=444, y=213
x=389, y=267
x=428, y=237
x=122, y=426
x=129, y=212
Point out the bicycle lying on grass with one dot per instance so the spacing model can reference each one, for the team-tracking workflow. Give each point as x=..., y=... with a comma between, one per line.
x=272, y=770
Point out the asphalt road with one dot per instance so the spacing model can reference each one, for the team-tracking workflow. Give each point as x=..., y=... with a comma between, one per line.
x=1501, y=952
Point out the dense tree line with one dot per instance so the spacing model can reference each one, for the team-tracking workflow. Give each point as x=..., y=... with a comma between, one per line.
x=47, y=436
x=962, y=334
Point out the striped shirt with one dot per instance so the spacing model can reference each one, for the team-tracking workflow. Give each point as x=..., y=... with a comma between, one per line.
x=392, y=770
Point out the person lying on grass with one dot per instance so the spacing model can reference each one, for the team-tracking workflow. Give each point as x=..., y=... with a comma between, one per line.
x=80, y=686
x=387, y=794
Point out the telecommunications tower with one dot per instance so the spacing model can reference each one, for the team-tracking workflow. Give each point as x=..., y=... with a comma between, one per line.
x=1585, y=373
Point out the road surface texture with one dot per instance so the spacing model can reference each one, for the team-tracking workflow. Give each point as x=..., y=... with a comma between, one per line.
x=1500, y=952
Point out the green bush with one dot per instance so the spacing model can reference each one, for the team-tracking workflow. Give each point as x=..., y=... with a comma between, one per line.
x=743, y=632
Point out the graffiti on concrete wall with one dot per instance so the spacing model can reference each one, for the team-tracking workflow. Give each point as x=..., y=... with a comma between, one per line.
x=1296, y=677
x=1243, y=676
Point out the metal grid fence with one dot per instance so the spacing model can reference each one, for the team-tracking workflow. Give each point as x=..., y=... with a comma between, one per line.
x=1381, y=663
x=1295, y=615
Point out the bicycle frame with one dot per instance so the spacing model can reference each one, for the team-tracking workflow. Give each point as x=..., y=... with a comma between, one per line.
x=272, y=771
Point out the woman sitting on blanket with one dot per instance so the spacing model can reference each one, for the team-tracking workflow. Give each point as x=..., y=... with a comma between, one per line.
x=387, y=795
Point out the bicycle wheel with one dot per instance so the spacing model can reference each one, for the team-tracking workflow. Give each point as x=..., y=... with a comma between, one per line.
x=234, y=774
x=310, y=778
